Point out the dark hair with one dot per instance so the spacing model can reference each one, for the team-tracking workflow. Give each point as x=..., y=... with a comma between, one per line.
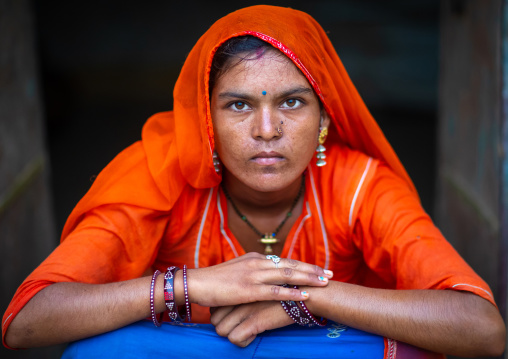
x=242, y=48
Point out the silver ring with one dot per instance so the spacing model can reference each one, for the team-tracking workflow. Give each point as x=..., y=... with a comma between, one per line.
x=275, y=259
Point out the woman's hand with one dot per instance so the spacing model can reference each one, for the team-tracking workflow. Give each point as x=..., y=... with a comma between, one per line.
x=252, y=278
x=241, y=324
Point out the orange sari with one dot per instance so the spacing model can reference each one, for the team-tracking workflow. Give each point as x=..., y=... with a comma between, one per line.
x=158, y=202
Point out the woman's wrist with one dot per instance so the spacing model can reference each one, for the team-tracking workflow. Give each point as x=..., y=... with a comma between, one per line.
x=159, y=295
x=299, y=313
x=192, y=286
x=314, y=303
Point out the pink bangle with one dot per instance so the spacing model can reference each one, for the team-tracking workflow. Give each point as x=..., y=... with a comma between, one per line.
x=174, y=313
x=186, y=292
x=156, y=322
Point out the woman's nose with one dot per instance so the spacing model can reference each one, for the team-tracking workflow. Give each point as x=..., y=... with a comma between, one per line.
x=265, y=126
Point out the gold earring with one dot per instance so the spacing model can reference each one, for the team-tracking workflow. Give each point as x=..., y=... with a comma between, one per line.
x=320, y=155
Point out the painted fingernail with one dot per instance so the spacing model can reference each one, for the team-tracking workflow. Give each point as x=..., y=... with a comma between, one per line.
x=328, y=273
x=305, y=294
x=323, y=279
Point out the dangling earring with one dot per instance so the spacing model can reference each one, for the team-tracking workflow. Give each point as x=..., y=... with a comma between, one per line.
x=216, y=161
x=320, y=155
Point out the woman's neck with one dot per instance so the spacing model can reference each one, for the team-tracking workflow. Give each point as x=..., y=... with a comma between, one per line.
x=260, y=213
x=253, y=201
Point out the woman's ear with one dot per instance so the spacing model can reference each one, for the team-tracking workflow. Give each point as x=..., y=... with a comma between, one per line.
x=325, y=119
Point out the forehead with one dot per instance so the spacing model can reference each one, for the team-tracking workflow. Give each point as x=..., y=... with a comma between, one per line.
x=272, y=70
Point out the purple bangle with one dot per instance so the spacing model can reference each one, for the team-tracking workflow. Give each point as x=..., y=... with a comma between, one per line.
x=295, y=313
x=174, y=313
x=320, y=323
x=293, y=310
x=186, y=292
x=303, y=307
x=156, y=322
x=300, y=314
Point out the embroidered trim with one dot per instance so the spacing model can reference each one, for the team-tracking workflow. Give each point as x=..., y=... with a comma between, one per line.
x=321, y=221
x=6, y=319
x=208, y=110
x=222, y=226
x=358, y=190
x=335, y=330
x=279, y=45
x=392, y=348
x=298, y=229
x=474, y=286
x=201, y=226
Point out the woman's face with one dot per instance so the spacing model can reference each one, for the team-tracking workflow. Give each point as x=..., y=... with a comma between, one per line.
x=266, y=120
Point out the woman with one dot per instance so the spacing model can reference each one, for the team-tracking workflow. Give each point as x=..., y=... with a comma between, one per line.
x=232, y=170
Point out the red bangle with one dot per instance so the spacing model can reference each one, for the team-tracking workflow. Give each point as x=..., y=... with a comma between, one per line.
x=174, y=313
x=156, y=322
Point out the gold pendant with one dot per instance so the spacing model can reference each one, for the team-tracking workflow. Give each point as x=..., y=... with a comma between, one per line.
x=268, y=239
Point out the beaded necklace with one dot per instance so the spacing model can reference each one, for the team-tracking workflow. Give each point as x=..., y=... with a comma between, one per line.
x=268, y=238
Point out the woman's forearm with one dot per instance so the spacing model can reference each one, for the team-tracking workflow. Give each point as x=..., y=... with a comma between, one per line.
x=444, y=321
x=65, y=312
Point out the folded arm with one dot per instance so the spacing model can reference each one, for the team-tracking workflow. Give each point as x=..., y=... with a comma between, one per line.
x=443, y=321
x=64, y=312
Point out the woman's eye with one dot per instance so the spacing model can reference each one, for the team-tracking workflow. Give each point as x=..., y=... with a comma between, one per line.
x=291, y=103
x=239, y=106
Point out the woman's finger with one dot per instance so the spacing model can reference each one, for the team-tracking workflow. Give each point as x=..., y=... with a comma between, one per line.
x=288, y=276
x=219, y=313
x=279, y=263
x=278, y=293
x=227, y=321
x=256, y=318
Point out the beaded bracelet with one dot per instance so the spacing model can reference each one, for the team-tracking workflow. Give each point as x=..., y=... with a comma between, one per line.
x=156, y=322
x=174, y=313
x=320, y=323
x=301, y=314
x=295, y=313
x=293, y=310
x=186, y=293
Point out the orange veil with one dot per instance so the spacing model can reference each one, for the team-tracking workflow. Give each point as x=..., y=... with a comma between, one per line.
x=177, y=146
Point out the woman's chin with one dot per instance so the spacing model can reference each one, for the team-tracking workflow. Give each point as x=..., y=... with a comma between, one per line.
x=271, y=181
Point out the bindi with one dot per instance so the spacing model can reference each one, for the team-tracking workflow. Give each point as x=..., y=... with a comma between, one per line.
x=264, y=93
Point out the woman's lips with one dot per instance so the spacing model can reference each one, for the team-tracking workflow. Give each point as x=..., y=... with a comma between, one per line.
x=267, y=158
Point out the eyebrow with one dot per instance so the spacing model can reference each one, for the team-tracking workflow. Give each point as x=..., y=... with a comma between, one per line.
x=294, y=91
x=297, y=91
x=229, y=94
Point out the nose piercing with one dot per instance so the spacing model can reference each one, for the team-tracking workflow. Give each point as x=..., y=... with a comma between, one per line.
x=264, y=93
x=279, y=131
